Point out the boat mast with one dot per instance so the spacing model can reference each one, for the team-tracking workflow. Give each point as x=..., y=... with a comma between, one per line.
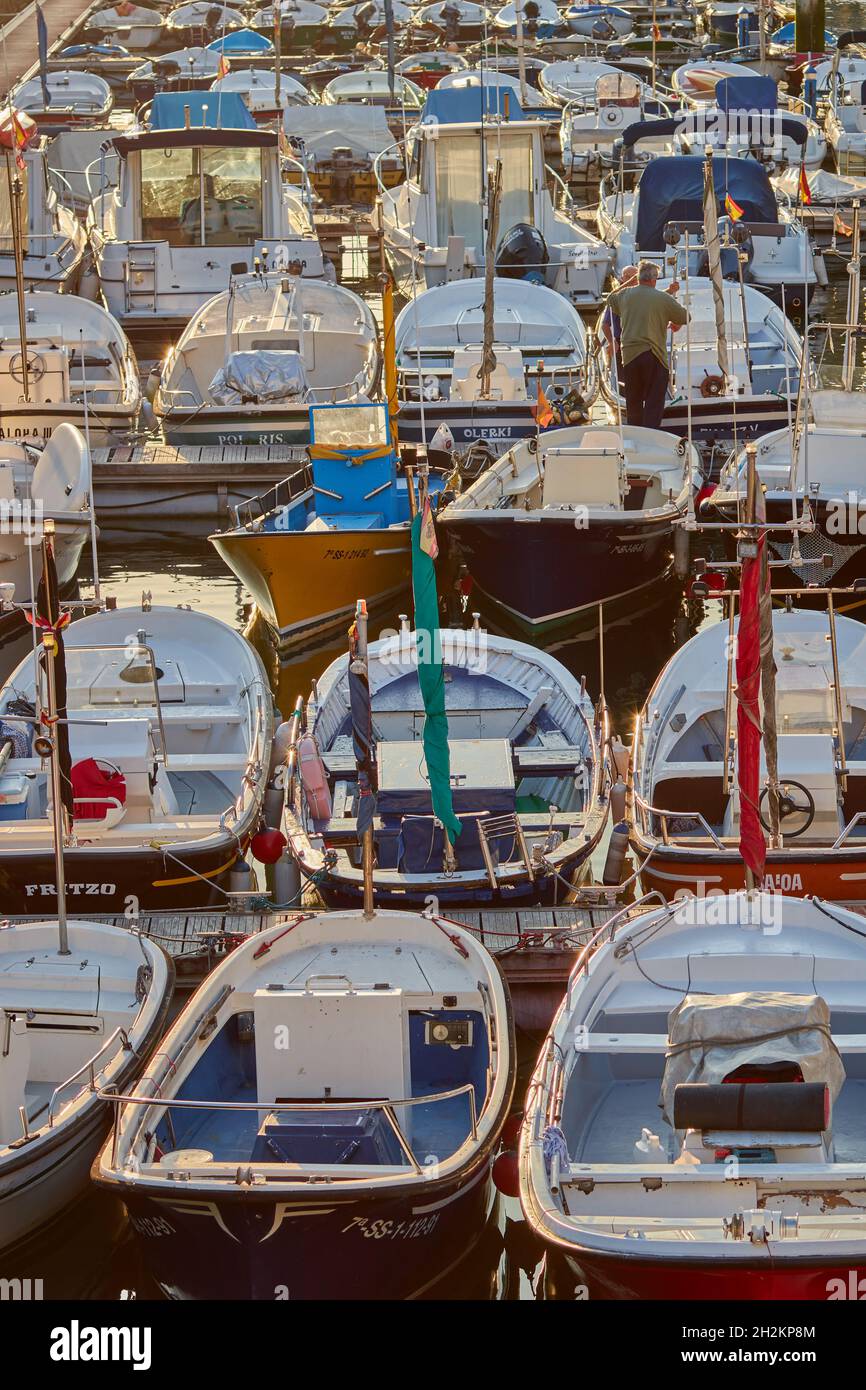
x=15, y=196
x=488, y=356
x=51, y=739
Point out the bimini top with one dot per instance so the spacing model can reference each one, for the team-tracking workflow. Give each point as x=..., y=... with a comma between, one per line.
x=747, y=94
x=672, y=190
x=471, y=105
x=242, y=41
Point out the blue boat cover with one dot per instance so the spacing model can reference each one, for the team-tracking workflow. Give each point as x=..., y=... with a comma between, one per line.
x=672, y=190
x=242, y=41
x=463, y=105
x=215, y=110
x=747, y=94
x=786, y=35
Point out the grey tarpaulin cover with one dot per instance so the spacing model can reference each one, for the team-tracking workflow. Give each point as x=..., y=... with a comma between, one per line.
x=259, y=376
x=323, y=129
x=709, y=1036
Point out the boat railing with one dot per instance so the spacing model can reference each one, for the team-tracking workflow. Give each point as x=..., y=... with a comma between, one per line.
x=388, y=1108
x=663, y=816
x=608, y=930
x=88, y=1068
x=857, y=819
x=282, y=494
x=395, y=150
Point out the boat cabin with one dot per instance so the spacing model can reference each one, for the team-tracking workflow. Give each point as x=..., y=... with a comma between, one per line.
x=199, y=195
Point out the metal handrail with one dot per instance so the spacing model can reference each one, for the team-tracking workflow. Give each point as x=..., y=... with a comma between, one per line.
x=318, y=1107
x=853, y=822
x=287, y=490
x=88, y=1066
x=687, y=815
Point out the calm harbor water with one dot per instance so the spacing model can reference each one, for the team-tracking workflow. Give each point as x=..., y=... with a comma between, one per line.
x=91, y=1253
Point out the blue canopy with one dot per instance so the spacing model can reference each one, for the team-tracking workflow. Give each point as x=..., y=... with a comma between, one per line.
x=747, y=94
x=242, y=41
x=469, y=105
x=672, y=190
x=786, y=35
x=225, y=110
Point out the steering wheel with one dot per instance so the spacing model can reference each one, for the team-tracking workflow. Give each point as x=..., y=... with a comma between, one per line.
x=35, y=367
x=790, y=806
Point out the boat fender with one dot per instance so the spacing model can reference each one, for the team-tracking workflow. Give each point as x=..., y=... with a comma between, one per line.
x=284, y=880
x=776, y=1106
x=280, y=746
x=505, y=1174
x=275, y=798
x=620, y=754
x=617, y=800
x=240, y=877
x=314, y=778
x=267, y=845
x=613, y=864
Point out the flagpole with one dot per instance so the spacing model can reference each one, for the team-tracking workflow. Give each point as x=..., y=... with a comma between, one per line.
x=654, y=33
x=49, y=722
x=14, y=187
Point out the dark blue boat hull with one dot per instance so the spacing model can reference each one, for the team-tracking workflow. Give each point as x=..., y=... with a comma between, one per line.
x=544, y=572
x=246, y=1245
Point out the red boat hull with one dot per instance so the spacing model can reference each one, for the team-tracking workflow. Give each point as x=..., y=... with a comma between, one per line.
x=840, y=878
x=696, y=1280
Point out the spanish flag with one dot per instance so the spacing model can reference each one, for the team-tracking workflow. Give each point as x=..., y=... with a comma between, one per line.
x=734, y=211
x=543, y=412
x=656, y=32
x=223, y=66
x=805, y=191
x=20, y=137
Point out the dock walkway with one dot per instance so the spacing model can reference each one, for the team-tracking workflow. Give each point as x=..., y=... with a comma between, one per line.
x=18, y=48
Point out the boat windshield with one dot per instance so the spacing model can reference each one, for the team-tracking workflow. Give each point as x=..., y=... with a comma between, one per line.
x=350, y=426
x=201, y=196
x=460, y=182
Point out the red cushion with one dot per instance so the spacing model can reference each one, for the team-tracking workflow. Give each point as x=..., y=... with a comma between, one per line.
x=91, y=780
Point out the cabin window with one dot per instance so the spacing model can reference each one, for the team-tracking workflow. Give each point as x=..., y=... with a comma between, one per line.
x=516, y=204
x=458, y=189
x=206, y=196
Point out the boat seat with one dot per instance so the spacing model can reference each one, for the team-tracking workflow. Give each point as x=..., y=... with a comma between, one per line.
x=14, y=1069
x=422, y=848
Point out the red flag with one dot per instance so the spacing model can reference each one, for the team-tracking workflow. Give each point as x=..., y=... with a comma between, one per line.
x=805, y=190
x=223, y=68
x=753, y=846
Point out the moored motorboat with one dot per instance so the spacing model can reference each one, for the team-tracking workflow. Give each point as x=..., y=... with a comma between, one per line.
x=739, y=1017
x=170, y=724
x=64, y=99
x=580, y=516
x=80, y=368
x=378, y=1116
x=529, y=773
x=686, y=811
x=537, y=340
x=76, y=1021
x=344, y=519
x=253, y=360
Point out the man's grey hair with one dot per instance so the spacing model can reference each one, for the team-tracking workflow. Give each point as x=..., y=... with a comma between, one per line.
x=648, y=273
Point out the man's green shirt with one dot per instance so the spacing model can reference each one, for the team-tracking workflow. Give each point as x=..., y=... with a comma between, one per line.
x=644, y=314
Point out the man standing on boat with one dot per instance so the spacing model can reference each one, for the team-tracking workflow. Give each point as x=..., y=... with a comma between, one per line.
x=611, y=327
x=645, y=315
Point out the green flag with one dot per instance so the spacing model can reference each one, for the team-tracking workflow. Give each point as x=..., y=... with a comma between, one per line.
x=431, y=678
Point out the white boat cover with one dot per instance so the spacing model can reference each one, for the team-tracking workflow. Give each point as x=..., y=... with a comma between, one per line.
x=824, y=186
x=259, y=377
x=710, y=1035
x=323, y=129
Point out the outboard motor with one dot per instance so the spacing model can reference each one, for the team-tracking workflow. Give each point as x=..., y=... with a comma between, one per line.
x=522, y=254
x=531, y=18
x=365, y=17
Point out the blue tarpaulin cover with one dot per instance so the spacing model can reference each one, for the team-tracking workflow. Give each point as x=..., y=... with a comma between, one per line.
x=242, y=41
x=672, y=190
x=747, y=94
x=224, y=110
x=459, y=105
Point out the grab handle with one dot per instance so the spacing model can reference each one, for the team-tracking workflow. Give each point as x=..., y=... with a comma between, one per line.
x=345, y=978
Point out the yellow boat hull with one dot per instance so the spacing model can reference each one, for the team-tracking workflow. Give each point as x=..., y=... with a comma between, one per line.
x=307, y=582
